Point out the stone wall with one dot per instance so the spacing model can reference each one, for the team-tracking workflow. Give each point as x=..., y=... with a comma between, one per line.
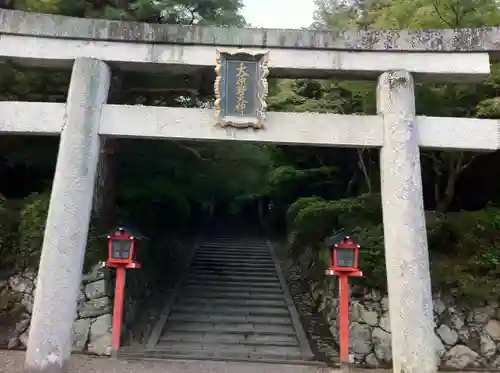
x=466, y=335
x=92, y=327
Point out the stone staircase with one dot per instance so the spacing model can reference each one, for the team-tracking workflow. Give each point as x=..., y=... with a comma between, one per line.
x=232, y=304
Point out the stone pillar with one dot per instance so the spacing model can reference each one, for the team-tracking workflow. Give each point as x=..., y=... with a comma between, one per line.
x=65, y=239
x=406, y=253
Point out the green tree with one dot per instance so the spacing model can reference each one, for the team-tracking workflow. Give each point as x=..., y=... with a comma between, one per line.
x=460, y=100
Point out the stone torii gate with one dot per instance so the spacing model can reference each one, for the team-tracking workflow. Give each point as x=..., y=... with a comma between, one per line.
x=90, y=47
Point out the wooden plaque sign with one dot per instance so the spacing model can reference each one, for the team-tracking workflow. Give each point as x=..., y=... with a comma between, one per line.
x=241, y=89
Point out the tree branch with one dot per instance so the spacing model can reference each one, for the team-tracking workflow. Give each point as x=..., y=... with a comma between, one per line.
x=191, y=150
x=440, y=15
x=362, y=166
x=463, y=165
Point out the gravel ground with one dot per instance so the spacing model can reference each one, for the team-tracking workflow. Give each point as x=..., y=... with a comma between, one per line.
x=12, y=362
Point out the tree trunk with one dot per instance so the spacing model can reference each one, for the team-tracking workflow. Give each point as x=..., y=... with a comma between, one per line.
x=449, y=192
x=364, y=169
x=455, y=167
x=105, y=187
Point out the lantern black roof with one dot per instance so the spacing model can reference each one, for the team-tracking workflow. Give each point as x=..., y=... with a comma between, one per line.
x=131, y=231
x=336, y=237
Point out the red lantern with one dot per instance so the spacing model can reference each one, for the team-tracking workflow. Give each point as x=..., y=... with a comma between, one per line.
x=344, y=257
x=344, y=252
x=121, y=249
x=122, y=256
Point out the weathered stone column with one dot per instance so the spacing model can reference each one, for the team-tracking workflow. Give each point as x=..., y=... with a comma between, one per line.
x=406, y=253
x=50, y=337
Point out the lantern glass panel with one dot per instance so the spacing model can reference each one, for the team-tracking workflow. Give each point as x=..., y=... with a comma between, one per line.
x=120, y=249
x=345, y=257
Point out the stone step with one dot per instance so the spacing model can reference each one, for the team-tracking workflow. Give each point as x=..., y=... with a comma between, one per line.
x=233, y=338
x=226, y=327
x=230, y=288
x=231, y=307
x=236, y=243
x=233, y=271
x=232, y=295
x=275, y=320
x=234, y=309
x=233, y=258
x=233, y=249
x=256, y=278
x=225, y=348
x=233, y=283
x=245, y=243
x=245, y=257
x=257, y=245
x=234, y=263
x=235, y=253
x=250, y=271
x=230, y=302
x=238, y=237
x=249, y=267
x=290, y=364
x=219, y=355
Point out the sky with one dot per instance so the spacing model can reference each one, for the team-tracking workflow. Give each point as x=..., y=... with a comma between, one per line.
x=279, y=13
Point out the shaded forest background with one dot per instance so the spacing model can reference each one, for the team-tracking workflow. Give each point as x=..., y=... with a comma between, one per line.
x=165, y=188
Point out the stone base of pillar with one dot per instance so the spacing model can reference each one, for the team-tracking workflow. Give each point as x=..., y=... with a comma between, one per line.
x=345, y=367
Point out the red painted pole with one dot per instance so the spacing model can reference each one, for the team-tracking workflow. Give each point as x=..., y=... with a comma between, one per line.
x=118, y=310
x=344, y=317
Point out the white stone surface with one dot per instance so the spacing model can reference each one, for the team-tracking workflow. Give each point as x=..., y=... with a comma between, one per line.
x=437, y=40
x=68, y=217
x=406, y=253
x=31, y=117
x=285, y=128
x=458, y=133
x=282, y=62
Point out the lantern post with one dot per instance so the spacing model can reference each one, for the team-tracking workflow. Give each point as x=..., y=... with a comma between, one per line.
x=344, y=254
x=121, y=256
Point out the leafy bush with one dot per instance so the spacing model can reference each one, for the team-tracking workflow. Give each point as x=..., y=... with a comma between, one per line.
x=298, y=205
x=313, y=219
x=372, y=255
x=464, y=246
x=9, y=222
x=314, y=223
x=8, y=229
x=3, y=224
x=31, y=229
x=467, y=262
x=361, y=211
x=31, y=232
